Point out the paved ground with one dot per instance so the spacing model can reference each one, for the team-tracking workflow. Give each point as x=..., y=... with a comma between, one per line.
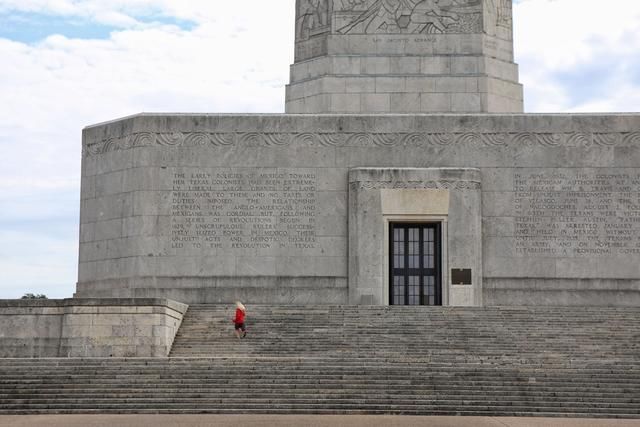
x=295, y=421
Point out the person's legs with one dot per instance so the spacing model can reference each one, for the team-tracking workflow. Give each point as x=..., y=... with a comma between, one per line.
x=240, y=331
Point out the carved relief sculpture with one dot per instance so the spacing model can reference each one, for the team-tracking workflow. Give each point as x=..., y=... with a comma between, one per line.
x=505, y=14
x=499, y=13
x=312, y=18
x=349, y=4
x=411, y=16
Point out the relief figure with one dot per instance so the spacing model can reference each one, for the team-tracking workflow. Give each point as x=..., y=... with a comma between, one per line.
x=349, y=4
x=500, y=12
x=409, y=16
x=312, y=15
x=381, y=17
x=427, y=16
x=505, y=13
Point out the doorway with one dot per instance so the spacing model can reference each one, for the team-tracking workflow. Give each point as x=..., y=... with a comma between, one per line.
x=415, y=259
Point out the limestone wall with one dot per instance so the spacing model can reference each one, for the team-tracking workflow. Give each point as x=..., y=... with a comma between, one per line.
x=88, y=328
x=397, y=57
x=211, y=208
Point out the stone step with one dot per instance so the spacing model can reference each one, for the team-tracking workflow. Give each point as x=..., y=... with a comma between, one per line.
x=326, y=401
x=461, y=386
x=271, y=374
x=320, y=411
x=517, y=393
x=357, y=360
x=322, y=363
x=251, y=367
x=78, y=374
x=267, y=407
x=96, y=391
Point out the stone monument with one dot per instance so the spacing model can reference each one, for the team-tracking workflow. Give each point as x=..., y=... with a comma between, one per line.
x=428, y=209
x=462, y=200
x=404, y=56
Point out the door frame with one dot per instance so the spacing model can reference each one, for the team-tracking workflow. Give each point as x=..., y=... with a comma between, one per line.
x=419, y=219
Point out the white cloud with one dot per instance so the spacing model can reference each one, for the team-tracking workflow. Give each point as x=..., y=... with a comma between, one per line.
x=559, y=43
x=54, y=88
x=116, y=13
x=623, y=97
x=127, y=13
x=60, y=85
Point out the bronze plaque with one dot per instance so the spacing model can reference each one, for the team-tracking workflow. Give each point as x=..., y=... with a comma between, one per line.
x=461, y=276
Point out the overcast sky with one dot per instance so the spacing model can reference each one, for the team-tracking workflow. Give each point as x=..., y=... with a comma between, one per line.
x=65, y=64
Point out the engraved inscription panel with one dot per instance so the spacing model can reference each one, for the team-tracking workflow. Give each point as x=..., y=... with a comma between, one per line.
x=243, y=209
x=577, y=213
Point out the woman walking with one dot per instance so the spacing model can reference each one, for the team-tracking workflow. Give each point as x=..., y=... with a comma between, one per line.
x=239, y=320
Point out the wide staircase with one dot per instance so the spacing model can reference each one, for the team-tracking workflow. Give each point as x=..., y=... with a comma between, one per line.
x=580, y=362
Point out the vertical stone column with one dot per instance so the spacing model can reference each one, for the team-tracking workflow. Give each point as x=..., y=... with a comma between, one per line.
x=401, y=56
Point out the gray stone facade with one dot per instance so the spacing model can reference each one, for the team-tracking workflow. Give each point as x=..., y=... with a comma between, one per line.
x=381, y=196
x=544, y=209
x=398, y=56
x=302, y=208
x=298, y=208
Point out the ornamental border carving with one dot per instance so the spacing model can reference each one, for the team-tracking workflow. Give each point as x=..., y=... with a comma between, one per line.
x=362, y=139
x=416, y=185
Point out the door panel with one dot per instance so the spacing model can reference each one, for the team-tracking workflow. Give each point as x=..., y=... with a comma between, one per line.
x=415, y=264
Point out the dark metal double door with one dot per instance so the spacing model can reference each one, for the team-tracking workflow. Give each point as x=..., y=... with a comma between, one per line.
x=415, y=264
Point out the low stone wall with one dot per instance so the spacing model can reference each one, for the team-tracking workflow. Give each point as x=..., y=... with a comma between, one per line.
x=559, y=292
x=89, y=327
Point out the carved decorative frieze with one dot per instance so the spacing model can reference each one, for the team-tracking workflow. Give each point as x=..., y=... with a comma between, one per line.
x=407, y=16
x=416, y=185
x=414, y=139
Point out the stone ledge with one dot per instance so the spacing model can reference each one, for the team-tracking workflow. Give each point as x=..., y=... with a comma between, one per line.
x=563, y=298
x=98, y=302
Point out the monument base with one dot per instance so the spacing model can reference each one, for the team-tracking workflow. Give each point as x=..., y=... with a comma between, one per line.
x=89, y=327
x=363, y=209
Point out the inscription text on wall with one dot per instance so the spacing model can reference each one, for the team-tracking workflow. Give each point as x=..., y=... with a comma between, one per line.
x=576, y=213
x=243, y=209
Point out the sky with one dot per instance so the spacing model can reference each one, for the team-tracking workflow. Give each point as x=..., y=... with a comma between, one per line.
x=66, y=64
